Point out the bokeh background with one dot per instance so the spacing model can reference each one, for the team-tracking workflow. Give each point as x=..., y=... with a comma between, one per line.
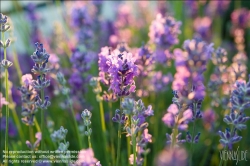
x=57, y=25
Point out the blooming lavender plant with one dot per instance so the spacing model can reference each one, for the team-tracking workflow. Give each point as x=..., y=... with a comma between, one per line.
x=240, y=101
x=40, y=58
x=5, y=64
x=138, y=114
x=189, y=91
x=28, y=96
x=66, y=91
x=86, y=116
x=58, y=136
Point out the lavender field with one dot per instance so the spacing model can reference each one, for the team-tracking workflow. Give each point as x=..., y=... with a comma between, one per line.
x=119, y=83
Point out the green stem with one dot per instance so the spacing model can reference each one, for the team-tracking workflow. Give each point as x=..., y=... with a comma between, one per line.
x=7, y=99
x=104, y=131
x=75, y=123
x=221, y=162
x=119, y=144
x=102, y=117
x=145, y=161
x=89, y=141
x=191, y=146
x=119, y=138
x=128, y=146
x=31, y=134
x=133, y=143
x=111, y=134
x=37, y=125
x=16, y=64
x=42, y=122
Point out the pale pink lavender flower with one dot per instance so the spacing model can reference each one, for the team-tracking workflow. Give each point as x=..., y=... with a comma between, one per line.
x=36, y=143
x=241, y=18
x=170, y=118
x=209, y=117
x=172, y=157
x=2, y=101
x=86, y=158
x=202, y=26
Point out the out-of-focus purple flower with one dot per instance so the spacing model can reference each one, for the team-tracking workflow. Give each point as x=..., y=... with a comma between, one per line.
x=145, y=64
x=80, y=17
x=209, y=118
x=159, y=81
x=34, y=18
x=240, y=18
x=192, y=7
x=82, y=61
x=76, y=81
x=164, y=33
x=202, y=26
x=215, y=8
x=86, y=158
x=124, y=16
x=104, y=56
x=190, y=65
x=12, y=127
x=172, y=157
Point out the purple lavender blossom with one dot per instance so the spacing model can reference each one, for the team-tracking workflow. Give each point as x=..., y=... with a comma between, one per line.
x=172, y=157
x=240, y=101
x=28, y=97
x=228, y=138
x=119, y=68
